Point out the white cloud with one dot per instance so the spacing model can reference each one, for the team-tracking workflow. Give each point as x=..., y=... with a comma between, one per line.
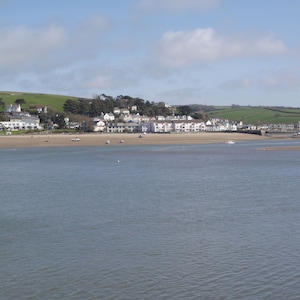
x=21, y=47
x=93, y=27
x=273, y=80
x=244, y=82
x=287, y=80
x=96, y=55
x=176, y=5
x=26, y=49
x=181, y=48
x=97, y=82
x=178, y=94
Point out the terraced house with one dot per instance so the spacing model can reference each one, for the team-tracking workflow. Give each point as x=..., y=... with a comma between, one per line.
x=21, y=123
x=164, y=126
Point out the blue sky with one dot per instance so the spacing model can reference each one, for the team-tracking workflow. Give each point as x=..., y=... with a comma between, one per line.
x=214, y=52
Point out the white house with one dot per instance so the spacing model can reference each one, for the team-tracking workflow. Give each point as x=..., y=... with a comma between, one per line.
x=22, y=123
x=195, y=125
x=182, y=118
x=99, y=125
x=160, y=126
x=109, y=117
x=143, y=127
x=13, y=108
x=117, y=110
x=41, y=109
x=122, y=127
x=125, y=111
x=144, y=119
x=188, y=126
x=132, y=118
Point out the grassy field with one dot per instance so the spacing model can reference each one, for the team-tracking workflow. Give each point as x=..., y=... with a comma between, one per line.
x=54, y=102
x=258, y=115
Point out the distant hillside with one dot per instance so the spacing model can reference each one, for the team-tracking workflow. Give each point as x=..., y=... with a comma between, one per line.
x=247, y=114
x=257, y=115
x=54, y=102
x=254, y=115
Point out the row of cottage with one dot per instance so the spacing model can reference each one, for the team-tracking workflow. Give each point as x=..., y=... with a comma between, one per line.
x=159, y=124
x=185, y=124
x=27, y=122
x=179, y=126
x=136, y=123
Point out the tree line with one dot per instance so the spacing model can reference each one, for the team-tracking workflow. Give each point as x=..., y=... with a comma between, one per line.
x=106, y=104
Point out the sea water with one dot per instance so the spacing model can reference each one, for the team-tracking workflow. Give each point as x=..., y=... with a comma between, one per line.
x=150, y=222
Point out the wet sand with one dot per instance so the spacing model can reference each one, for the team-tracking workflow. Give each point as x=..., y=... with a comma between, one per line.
x=283, y=148
x=106, y=139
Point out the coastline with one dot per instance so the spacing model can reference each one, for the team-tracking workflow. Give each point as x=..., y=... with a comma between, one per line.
x=114, y=139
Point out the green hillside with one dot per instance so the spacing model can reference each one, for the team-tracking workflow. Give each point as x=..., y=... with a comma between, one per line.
x=54, y=102
x=247, y=114
x=257, y=115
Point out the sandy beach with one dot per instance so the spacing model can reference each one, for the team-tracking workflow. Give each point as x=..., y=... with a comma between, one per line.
x=113, y=139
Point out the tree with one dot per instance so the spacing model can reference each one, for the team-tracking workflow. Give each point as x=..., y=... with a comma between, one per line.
x=85, y=123
x=161, y=111
x=140, y=103
x=3, y=117
x=200, y=115
x=71, y=106
x=196, y=115
x=20, y=101
x=184, y=110
x=97, y=107
x=84, y=107
x=59, y=119
x=2, y=103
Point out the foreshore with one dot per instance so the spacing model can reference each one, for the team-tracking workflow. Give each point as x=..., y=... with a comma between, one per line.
x=114, y=139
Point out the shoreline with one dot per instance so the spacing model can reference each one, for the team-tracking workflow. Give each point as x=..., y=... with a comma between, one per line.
x=114, y=139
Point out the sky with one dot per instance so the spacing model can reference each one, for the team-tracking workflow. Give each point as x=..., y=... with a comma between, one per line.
x=211, y=52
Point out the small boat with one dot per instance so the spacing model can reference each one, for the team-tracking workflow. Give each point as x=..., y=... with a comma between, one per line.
x=75, y=139
x=230, y=142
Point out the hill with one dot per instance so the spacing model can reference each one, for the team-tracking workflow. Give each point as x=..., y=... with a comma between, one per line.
x=257, y=115
x=247, y=114
x=54, y=102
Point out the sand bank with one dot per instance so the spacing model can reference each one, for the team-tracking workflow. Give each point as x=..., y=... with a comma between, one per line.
x=106, y=139
x=283, y=148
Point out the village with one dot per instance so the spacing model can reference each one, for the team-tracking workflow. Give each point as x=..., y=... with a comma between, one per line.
x=130, y=121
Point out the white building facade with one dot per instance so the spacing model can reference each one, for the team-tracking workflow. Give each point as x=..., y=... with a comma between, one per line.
x=22, y=123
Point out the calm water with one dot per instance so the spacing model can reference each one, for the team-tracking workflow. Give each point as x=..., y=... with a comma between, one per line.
x=165, y=222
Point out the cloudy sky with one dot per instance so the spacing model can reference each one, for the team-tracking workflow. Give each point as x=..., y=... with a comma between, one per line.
x=214, y=52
